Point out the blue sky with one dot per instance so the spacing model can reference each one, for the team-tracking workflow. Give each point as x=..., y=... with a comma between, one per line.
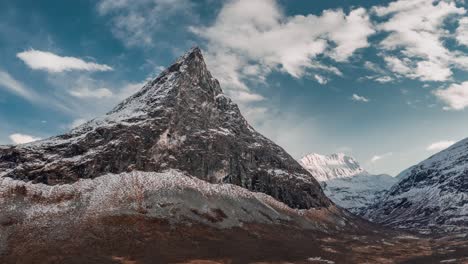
x=384, y=81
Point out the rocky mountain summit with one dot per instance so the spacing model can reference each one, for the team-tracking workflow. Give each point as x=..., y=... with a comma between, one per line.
x=180, y=120
x=430, y=196
x=345, y=182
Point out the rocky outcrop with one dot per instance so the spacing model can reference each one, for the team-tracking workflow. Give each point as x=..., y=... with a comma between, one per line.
x=180, y=120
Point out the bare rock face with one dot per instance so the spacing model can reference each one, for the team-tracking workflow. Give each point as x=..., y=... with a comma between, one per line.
x=180, y=120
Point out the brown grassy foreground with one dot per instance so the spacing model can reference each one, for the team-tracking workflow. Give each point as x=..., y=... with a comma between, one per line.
x=138, y=239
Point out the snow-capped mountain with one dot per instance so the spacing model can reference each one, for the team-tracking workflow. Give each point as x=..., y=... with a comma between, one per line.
x=180, y=120
x=430, y=196
x=328, y=167
x=345, y=182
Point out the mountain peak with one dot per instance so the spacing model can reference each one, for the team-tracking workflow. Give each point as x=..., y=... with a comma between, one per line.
x=192, y=56
x=187, y=80
x=328, y=167
x=180, y=120
x=194, y=52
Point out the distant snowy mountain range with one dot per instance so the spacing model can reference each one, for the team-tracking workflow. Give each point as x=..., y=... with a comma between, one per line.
x=345, y=182
x=329, y=167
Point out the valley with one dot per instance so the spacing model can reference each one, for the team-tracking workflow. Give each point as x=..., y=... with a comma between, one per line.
x=175, y=174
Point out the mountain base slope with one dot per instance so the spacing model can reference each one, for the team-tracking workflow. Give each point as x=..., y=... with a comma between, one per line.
x=170, y=217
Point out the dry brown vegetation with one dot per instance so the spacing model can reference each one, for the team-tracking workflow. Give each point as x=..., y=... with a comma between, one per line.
x=140, y=239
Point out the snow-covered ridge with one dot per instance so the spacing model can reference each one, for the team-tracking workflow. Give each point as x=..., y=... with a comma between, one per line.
x=328, y=167
x=147, y=192
x=429, y=196
x=170, y=195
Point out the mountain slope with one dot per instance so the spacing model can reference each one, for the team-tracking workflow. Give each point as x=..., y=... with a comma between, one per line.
x=345, y=182
x=171, y=217
x=430, y=196
x=180, y=120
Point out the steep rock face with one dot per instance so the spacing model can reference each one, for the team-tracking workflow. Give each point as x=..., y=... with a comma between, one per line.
x=180, y=120
x=345, y=182
x=430, y=196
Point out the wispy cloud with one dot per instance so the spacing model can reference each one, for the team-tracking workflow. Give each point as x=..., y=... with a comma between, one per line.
x=47, y=61
x=135, y=22
x=16, y=87
x=440, y=145
x=380, y=157
x=359, y=98
x=320, y=79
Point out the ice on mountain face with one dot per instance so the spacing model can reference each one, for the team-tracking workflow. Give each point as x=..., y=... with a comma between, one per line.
x=357, y=193
x=180, y=120
x=345, y=182
x=430, y=196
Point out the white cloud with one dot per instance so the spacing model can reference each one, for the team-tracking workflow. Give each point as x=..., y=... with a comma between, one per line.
x=256, y=33
x=85, y=92
x=43, y=60
x=417, y=34
x=130, y=88
x=246, y=96
x=359, y=98
x=106, y=6
x=432, y=71
x=320, y=79
x=380, y=157
x=398, y=66
x=383, y=79
x=441, y=145
x=22, y=138
x=462, y=31
x=88, y=88
x=455, y=96
x=14, y=86
x=135, y=22
x=352, y=34
x=424, y=70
